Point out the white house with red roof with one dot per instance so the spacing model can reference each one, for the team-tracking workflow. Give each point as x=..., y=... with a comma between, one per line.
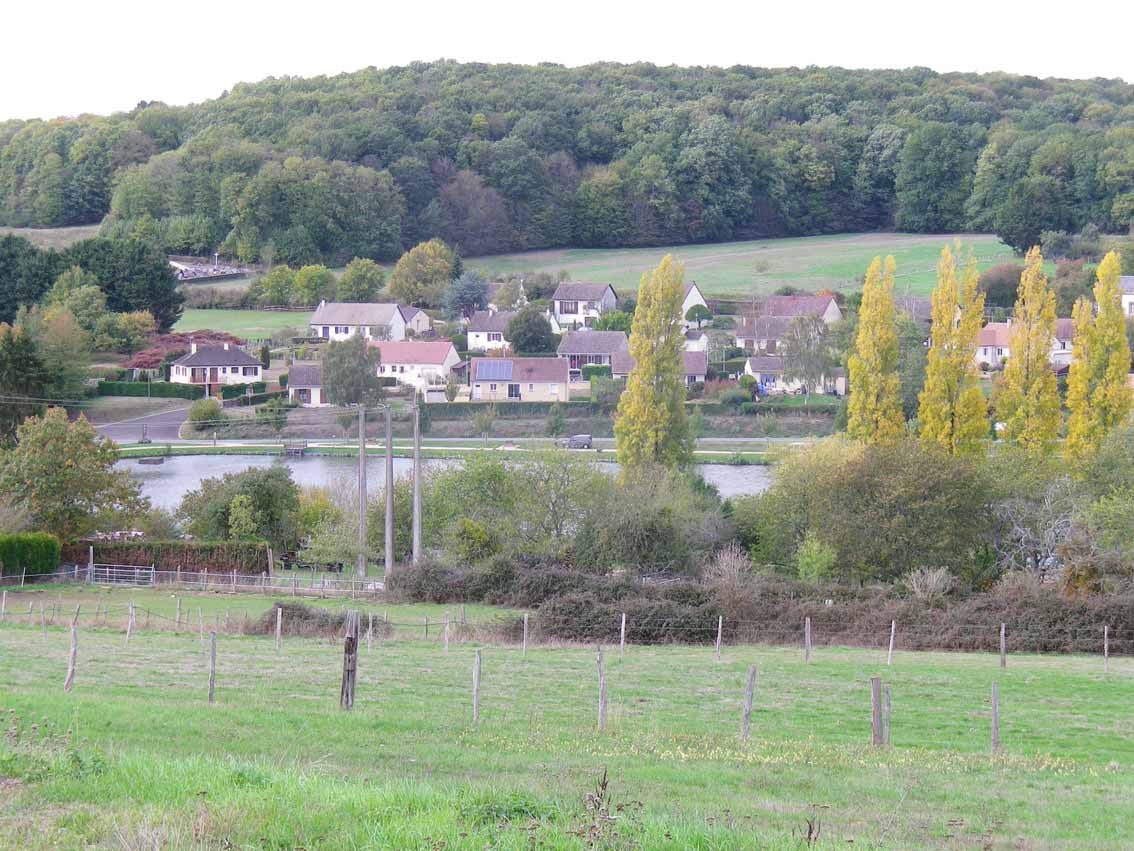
x=418, y=364
x=994, y=344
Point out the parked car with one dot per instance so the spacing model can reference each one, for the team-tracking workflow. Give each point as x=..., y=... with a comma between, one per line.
x=576, y=441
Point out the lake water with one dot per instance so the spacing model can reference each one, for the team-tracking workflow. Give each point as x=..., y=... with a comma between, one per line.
x=166, y=483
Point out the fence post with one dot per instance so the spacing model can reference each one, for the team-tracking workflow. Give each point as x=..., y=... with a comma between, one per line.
x=890, y=652
x=369, y=631
x=476, y=689
x=886, y=715
x=749, y=694
x=524, y=652
x=212, y=666
x=807, y=639
x=279, y=626
x=463, y=621
x=3, y=604
x=720, y=627
x=1003, y=647
x=234, y=582
x=130, y=623
x=1105, y=647
x=23, y=574
x=69, y=682
x=622, y=637
x=178, y=575
x=90, y=563
x=177, y=621
x=350, y=661
x=996, y=718
x=446, y=633
x=153, y=576
x=601, y=692
x=425, y=627
x=201, y=626
x=43, y=620
x=876, y=712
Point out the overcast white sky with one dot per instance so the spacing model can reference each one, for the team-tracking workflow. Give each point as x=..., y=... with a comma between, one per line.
x=69, y=57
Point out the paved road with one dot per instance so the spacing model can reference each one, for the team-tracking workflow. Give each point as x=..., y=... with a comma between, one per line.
x=161, y=427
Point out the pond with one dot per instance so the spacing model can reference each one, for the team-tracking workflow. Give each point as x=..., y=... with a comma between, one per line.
x=166, y=483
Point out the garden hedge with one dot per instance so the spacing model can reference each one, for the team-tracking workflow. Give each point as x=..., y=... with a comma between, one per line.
x=155, y=389
x=247, y=557
x=29, y=552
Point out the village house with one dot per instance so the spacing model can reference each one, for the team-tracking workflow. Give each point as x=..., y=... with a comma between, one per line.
x=417, y=320
x=1126, y=284
x=339, y=320
x=305, y=385
x=768, y=370
x=584, y=348
x=696, y=341
x=694, y=364
x=762, y=334
x=994, y=344
x=487, y=330
x=692, y=297
x=215, y=365
x=519, y=379
x=824, y=307
x=577, y=305
x=417, y=364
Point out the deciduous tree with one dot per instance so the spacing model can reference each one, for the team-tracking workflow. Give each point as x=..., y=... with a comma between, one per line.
x=423, y=274
x=361, y=281
x=529, y=332
x=350, y=372
x=874, y=411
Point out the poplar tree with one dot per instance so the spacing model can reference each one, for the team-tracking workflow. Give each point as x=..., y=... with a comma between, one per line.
x=951, y=407
x=650, y=425
x=1028, y=402
x=1098, y=396
x=874, y=411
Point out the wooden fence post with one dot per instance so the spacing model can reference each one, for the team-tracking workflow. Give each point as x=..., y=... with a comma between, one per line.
x=177, y=620
x=890, y=652
x=130, y=623
x=876, y=712
x=369, y=631
x=3, y=604
x=1003, y=647
x=69, y=682
x=807, y=639
x=601, y=692
x=476, y=689
x=201, y=626
x=996, y=718
x=749, y=694
x=1105, y=646
x=233, y=581
x=622, y=636
x=43, y=620
x=463, y=621
x=886, y=715
x=75, y=619
x=425, y=627
x=720, y=627
x=212, y=666
x=279, y=626
x=446, y=632
x=30, y=621
x=350, y=661
x=226, y=620
x=524, y=652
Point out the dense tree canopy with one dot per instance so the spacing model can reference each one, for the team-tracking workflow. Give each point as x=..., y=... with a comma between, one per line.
x=506, y=157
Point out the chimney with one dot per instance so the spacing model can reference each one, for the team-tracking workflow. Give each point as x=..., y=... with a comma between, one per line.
x=322, y=302
x=226, y=347
x=192, y=347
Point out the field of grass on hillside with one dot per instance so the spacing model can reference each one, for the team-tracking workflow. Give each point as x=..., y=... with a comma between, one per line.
x=57, y=238
x=739, y=269
x=242, y=323
x=277, y=764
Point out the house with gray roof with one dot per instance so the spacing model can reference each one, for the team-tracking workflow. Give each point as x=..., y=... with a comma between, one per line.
x=584, y=347
x=578, y=305
x=305, y=385
x=487, y=330
x=341, y=320
x=212, y=366
x=695, y=365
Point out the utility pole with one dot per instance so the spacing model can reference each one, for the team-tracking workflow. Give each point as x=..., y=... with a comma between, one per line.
x=417, y=482
x=389, y=493
x=361, y=567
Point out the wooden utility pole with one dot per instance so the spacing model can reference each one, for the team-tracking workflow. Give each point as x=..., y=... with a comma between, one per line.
x=417, y=481
x=350, y=661
x=360, y=568
x=389, y=492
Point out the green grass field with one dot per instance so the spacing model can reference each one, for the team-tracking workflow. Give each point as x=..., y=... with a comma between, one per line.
x=242, y=323
x=276, y=764
x=56, y=238
x=737, y=269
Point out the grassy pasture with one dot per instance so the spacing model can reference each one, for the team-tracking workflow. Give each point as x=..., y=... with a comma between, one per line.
x=738, y=269
x=242, y=323
x=57, y=238
x=275, y=763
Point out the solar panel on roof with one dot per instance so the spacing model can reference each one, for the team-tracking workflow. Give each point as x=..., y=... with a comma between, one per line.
x=494, y=370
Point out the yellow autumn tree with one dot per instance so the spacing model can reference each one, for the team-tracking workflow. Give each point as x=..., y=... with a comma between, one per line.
x=1098, y=395
x=1028, y=401
x=952, y=409
x=874, y=410
x=650, y=425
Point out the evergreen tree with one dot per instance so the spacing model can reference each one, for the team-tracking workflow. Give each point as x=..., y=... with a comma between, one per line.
x=1028, y=403
x=952, y=408
x=874, y=411
x=650, y=425
x=23, y=380
x=1098, y=396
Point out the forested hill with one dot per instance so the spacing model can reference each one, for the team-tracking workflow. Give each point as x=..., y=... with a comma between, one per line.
x=501, y=157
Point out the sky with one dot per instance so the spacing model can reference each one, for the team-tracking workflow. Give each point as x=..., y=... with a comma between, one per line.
x=67, y=57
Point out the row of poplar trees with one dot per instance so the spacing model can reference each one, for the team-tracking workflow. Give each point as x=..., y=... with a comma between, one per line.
x=953, y=412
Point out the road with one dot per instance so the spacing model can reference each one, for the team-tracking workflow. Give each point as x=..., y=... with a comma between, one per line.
x=162, y=427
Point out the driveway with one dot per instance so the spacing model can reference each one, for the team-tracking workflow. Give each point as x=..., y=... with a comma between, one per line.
x=162, y=427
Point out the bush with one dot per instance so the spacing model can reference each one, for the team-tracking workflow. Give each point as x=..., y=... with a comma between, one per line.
x=428, y=581
x=206, y=412
x=750, y=408
x=156, y=389
x=308, y=621
x=246, y=557
x=283, y=380
x=474, y=541
x=595, y=370
x=32, y=553
x=736, y=397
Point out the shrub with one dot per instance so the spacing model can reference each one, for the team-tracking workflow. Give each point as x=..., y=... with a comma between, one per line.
x=427, y=581
x=928, y=584
x=815, y=559
x=283, y=380
x=474, y=541
x=595, y=370
x=308, y=621
x=246, y=557
x=32, y=553
x=156, y=389
x=750, y=408
x=206, y=412
x=735, y=397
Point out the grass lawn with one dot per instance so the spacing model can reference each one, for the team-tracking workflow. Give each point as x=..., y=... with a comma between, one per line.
x=242, y=323
x=57, y=238
x=735, y=269
x=112, y=409
x=276, y=764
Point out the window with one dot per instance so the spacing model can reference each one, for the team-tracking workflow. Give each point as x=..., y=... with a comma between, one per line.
x=531, y=387
x=342, y=329
x=326, y=331
x=568, y=307
x=401, y=369
x=495, y=337
x=513, y=391
x=554, y=388
x=251, y=370
x=492, y=387
x=592, y=305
